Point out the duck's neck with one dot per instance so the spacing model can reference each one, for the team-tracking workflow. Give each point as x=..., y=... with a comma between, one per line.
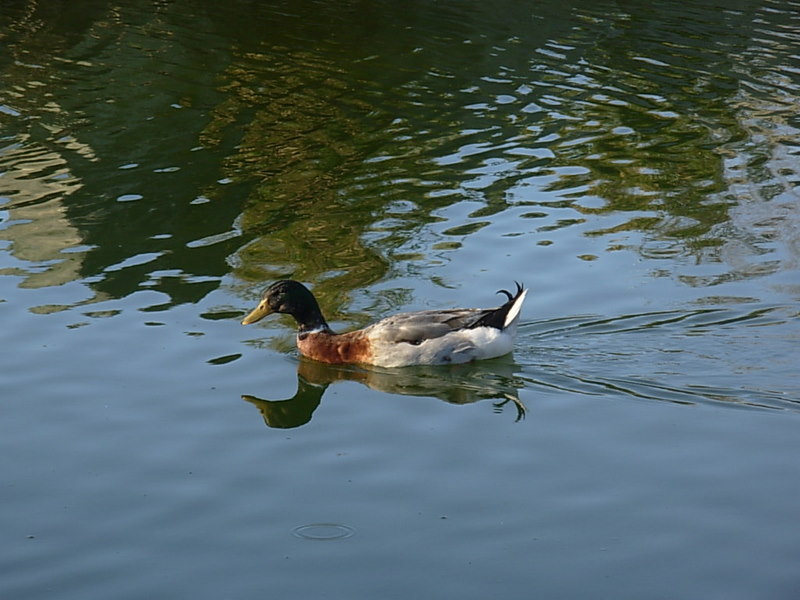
x=311, y=321
x=304, y=329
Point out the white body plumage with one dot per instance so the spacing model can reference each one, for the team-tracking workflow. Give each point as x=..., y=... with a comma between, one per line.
x=436, y=337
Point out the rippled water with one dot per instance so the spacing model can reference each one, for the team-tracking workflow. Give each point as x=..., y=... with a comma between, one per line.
x=635, y=164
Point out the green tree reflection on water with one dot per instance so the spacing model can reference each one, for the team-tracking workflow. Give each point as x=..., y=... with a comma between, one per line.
x=346, y=129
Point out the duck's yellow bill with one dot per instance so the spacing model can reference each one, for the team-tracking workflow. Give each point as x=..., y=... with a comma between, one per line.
x=258, y=313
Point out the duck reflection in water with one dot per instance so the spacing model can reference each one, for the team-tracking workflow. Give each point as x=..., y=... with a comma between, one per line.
x=458, y=384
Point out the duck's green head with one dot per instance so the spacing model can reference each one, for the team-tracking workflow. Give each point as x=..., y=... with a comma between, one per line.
x=292, y=298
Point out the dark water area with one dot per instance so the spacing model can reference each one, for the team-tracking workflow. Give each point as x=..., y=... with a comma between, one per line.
x=635, y=164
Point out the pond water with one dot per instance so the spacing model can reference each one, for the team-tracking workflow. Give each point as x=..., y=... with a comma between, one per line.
x=635, y=164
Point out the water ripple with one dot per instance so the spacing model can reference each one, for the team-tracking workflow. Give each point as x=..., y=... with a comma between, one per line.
x=687, y=357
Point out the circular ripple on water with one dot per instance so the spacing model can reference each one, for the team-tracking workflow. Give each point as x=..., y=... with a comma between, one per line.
x=323, y=532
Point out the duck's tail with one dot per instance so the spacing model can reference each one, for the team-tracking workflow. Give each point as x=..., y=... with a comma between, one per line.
x=504, y=316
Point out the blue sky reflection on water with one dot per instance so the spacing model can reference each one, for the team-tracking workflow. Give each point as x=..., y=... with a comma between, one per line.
x=634, y=165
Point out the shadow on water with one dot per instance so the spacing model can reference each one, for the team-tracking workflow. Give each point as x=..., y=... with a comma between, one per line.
x=457, y=384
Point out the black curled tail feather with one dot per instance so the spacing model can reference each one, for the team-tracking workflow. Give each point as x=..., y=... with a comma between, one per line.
x=496, y=317
x=512, y=297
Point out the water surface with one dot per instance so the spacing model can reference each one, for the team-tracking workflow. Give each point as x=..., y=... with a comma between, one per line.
x=634, y=164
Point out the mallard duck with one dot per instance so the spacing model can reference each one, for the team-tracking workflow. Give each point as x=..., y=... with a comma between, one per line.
x=428, y=337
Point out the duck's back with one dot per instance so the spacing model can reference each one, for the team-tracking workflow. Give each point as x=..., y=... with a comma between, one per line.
x=415, y=327
x=436, y=337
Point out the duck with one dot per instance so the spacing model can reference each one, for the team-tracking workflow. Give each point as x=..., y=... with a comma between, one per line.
x=428, y=337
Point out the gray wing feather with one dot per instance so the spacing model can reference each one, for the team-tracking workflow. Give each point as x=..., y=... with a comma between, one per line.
x=414, y=328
